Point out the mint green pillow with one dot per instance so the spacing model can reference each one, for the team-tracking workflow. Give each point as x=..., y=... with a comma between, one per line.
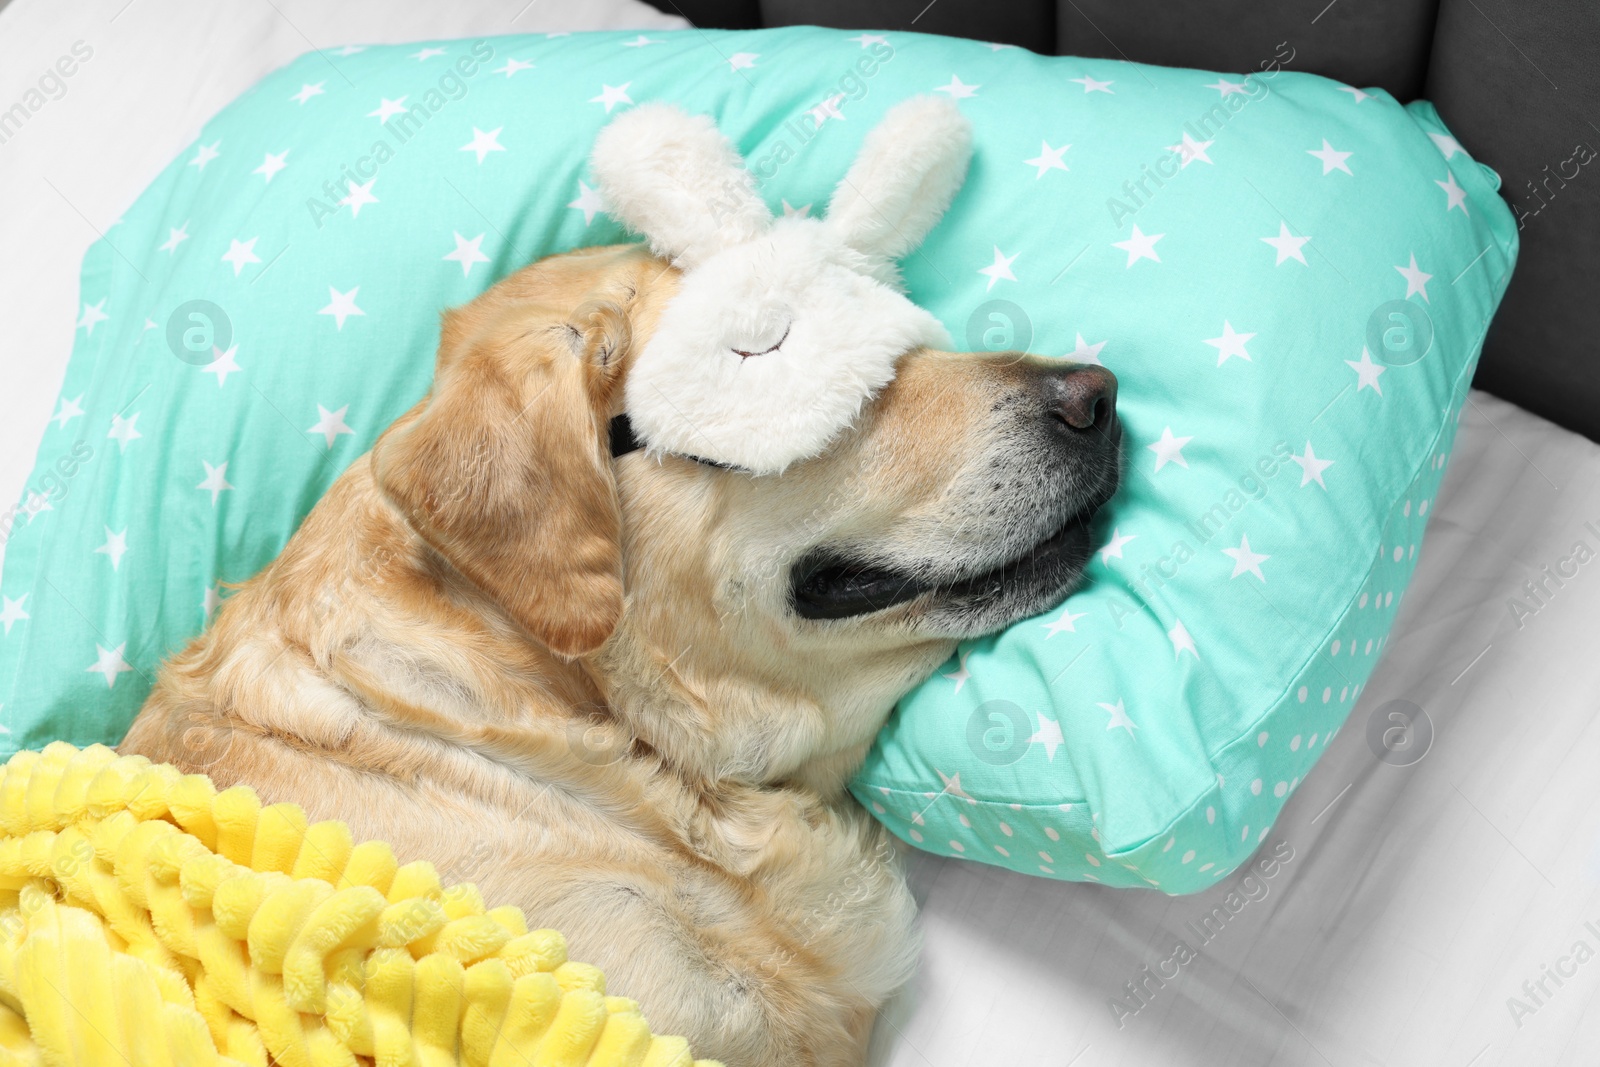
x=1293, y=298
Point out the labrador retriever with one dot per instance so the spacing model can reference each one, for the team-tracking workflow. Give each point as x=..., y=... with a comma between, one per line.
x=626, y=692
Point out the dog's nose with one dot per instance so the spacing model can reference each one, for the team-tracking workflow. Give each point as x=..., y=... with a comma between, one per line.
x=1084, y=398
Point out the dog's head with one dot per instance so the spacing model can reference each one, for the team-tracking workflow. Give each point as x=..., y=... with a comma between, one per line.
x=957, y=503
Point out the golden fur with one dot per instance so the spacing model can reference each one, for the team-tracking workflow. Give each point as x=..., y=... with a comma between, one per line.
x=576, y=681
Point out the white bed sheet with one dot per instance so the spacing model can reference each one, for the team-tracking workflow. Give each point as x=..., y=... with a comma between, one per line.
x=158, y=70
x=1420, y=897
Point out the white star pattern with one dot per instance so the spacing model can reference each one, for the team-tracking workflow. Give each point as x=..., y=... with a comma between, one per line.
x=789, y=212
x=1181, y=641
x=1000, y=268
x=743, y=61
x=588, y=202
x=1227, y=88
x=215, y=481
x=1064, y=621
x=958, y=89
x=240, y=253
x=1446, y=144
x=175, y=237
x=1113, y=548
x=307, y=91
x=1455, y=196
x=92, y=313
x=223, y=364
x=1416, y=279
x=36, y=504
x=211, y=601
x=109, y=663
x=1047, y=159
x=1246, y=561
x=360, y=195
x=70, y=410
x=640, y=41
x=828, y=109
x=341, y=306
x=1332, y=158
x=1356, y=93
x=1230, y=344
x=1048, y=735
x=205, y=154
x=1169, y=449
x=960, y=674
x=1092, y=86
x=1311, y=467
x=427, y=54
x=612, y=95
x=483, y=143
x=511, y=67
x=952, y=784
x=330, y=424
x=271, y=165
x=1086, y=353
x=388, y=109
x=1140, y=245
x=467, y=253
x=1367, y=372
x=115, y=548
x=869, y=39
x=13, y=611
x=1119, y=718
x=1191, y=151
x=1288, y=246
x=122, y=430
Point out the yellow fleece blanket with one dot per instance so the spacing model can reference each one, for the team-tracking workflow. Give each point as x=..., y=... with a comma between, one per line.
x=147, y=919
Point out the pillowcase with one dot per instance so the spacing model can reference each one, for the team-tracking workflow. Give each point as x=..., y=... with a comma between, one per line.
x=1291, y=277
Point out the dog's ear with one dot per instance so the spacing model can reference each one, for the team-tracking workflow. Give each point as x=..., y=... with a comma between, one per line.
x=505, y=469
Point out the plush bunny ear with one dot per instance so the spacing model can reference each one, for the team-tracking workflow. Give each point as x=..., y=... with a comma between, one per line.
x=675, y=179
x=909, y=170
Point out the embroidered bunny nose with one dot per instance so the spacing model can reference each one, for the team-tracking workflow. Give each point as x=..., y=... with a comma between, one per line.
x=1084, y=398
x=767, y=351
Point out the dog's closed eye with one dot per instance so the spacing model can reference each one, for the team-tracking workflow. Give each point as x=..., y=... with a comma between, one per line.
x=767, y=351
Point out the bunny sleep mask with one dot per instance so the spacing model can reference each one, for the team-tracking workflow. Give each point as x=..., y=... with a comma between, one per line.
x=781, y=329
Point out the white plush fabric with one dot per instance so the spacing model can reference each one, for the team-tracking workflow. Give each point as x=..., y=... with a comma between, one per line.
x=909, y=170
x=781, y=329
x=673, y=178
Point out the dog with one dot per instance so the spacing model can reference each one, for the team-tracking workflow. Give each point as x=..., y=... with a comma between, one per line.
x=626, y=693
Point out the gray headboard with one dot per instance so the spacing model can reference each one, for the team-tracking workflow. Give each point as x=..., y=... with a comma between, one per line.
x=1518, y=81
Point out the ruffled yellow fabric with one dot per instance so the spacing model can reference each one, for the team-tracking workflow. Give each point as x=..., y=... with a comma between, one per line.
x=147, y=919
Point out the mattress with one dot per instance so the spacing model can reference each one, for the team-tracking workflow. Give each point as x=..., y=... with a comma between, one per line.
x=1435, y=886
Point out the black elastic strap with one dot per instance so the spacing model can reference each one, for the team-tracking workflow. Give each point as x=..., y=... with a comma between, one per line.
x=624, y=440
